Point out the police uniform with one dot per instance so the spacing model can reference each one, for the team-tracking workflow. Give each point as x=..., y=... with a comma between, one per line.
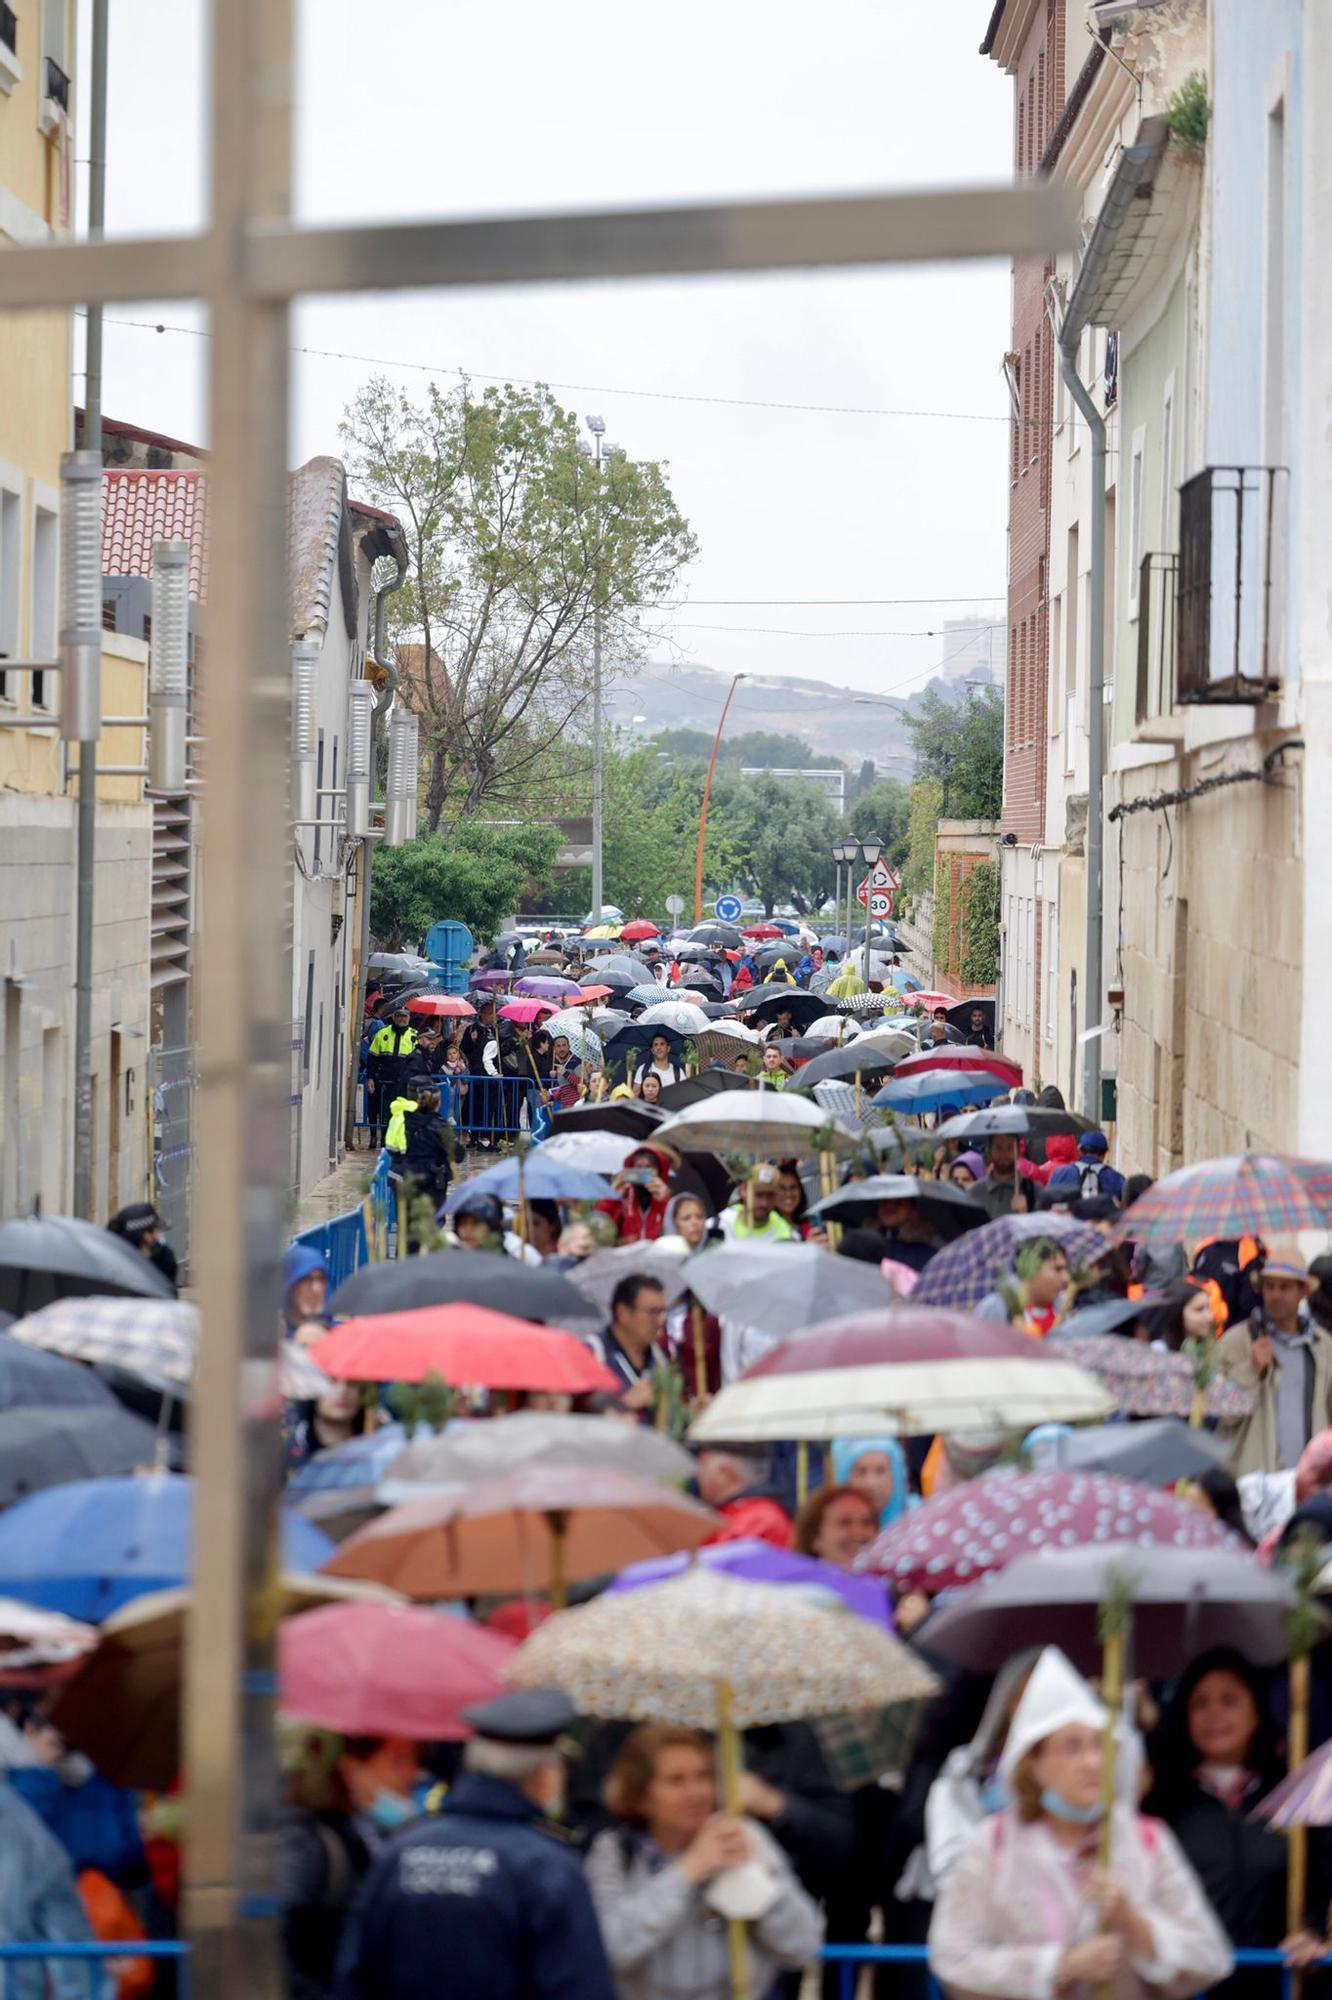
x=391, y=1060
x=485, y=1901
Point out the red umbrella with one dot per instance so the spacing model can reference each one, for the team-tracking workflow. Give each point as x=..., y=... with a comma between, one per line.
x=586, y=993
x=761, y=931
x=639, y=929
x=465, y=1344
x=387, y=1670
x=528, y=1010
x=449, y=1006
x=980, y=1526
x=951, y=1056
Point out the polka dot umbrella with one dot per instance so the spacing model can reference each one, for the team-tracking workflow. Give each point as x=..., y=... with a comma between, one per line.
x=978, y=1528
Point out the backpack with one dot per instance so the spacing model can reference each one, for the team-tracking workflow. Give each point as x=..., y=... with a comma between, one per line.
x=1089, y=1178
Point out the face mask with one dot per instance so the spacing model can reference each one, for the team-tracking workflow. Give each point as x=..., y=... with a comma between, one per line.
x=1059, y=1808
x=994, y=1795
x=390, y=1810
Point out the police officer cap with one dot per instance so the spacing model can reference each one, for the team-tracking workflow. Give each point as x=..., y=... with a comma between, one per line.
x=530, y=1716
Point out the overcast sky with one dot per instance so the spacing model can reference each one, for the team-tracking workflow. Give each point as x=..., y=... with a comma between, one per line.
x=420, y=107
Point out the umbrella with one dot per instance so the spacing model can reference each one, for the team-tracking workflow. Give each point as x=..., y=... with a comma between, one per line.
x=858, y=1001
x=893, y=1148
x=339, y=1487
x=678, y=1015
x=31, y=1638
x=902, y=1370
x=764, y=1124
x=599, y=1274
x=588, y=994
x=593, y=1152
x=935, y=1088
x=1157, y=1452
x=1018, y=1119
x=627, y=1116
x=960, y=1016
x=652, y=995
x=615, y=980
x=696, y=954
x=760, y=931
x=387, y=1670
x=834, y=941
x=783, y=1287
x=845, y=1101
x=446, y=1006
x=533, y=1177
x=489, y=983
x=1185, y=1601
x=599, y=932
x=90, y=1546
x=27, y=1376
x=700, y=1089
x=699, y=980
x=501, y=1445
x=863, y=1057
x=921, y=997
x=122, y=1705
x=961, y=1275
x=629, y=1046
x=760, y=1562
x=40, y=1448
x=630, y=962
x=1304, y=1798
x=966, y=1062
x=45, y=1257
x=465, y=1344
x=154, y=1338
x=723, y=937
x=1146, y=1381
x=978, y=1527
x=800, y=1048
x=949, y=1210
x=1108, y=1315
x=471, y=1277
x=544, y=986
x=573, y=1026
x=638, y=930
x=766, y=1002
x=527, y=1011
x=1248, y=1194
x=535, y=1528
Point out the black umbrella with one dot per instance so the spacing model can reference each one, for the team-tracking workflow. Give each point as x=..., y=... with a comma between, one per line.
x=699, y=953
x=698, y=978
x=960, y=1016
x=45, y=1257
x=716, y=1010
x=48, y=1447
x=629, y=1118
x=1155, y=1452
x=617, y=978
x=949, y=1210
x=694, y=1089
x=714, y=933
x=803, y=1048
x=853, y=1059
x=1018, y=1119
x=29, y=1377
x=803, y=1007
x=778, y=954
x=470, y=1277
x=623, y=1051
x=1108, y=1315
x=892, y=1147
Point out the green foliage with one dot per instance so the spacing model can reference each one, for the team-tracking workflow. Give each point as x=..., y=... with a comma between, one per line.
x=780, y=834
x=882, y=808
x=962, y=746
x=943, y=919
x=516, y=542
x=476, y=874
x=979, y=965
x=768, y=748
x=924, y=804
x=431, y=1401
x=1188, y=113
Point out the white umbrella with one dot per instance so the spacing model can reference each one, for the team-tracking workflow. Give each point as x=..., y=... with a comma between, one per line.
x=835, y=1027
x=680, y=1015
x=766, y=1124
x=598, y=1275
x=530, y=1437
x=596, y=1152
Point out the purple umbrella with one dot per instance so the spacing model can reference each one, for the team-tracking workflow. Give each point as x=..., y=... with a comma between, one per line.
x=490, y=981
x=547, y=987
x=961, y=1275
x=760, y=1562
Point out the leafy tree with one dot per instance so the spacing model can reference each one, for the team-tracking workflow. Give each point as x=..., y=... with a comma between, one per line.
x=475, y=875
x=781, y=837
x=764, y=748
x=515, y=541
x=962, y=747
x=882, y=808
x=926, y=798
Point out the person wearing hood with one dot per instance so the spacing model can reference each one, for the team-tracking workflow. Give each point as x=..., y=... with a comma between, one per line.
x=876, y=1467
x=642, y=1195
x=967, y=1169
x=392, y=1052
x=39, y=1904
x=304, y=1287
x=1061, y=1150
x=419, y=1139
x=1027, y=1913
x=477, y=1223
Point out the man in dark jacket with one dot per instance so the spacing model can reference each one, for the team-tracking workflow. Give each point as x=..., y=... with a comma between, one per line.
x=486, y=1898
x=426, y=1158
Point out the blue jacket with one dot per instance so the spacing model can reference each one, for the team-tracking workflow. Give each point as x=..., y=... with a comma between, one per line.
x=95, y=1822
x=40, y=1904
x=478, y=1901
x=1109, y=1180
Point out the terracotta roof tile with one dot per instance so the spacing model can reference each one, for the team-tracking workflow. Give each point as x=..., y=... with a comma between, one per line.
x=143, y=507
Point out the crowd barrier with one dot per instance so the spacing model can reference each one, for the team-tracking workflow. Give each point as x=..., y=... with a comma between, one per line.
x=851, y=1958
x=478, y=1107
x=341, y=1242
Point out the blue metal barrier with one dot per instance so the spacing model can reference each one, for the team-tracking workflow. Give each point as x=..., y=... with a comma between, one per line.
x=478, y=1107
x=340, y=1242
x=853, y=1958
x=97, y=1949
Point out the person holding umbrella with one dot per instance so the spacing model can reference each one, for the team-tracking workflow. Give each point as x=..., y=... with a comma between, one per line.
x=1027, y=1913
x=658, y=1064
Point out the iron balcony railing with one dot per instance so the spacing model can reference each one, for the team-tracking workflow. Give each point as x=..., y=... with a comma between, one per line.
x=57, y=84
x=1157, y=583
x=1229, y=584
x=8, y=29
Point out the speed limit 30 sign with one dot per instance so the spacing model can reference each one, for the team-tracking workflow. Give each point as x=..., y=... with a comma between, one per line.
x=881, y=903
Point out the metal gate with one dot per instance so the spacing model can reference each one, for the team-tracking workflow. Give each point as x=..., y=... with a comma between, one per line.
x=172, y=1081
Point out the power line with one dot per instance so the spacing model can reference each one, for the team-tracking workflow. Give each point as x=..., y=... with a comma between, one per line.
x=795, y=632
x=694, y=603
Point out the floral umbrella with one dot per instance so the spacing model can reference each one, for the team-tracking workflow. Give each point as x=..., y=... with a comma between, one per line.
x=961, y=1275
x=1248, y=1194
x=1146, y=1381
x=980, y=1526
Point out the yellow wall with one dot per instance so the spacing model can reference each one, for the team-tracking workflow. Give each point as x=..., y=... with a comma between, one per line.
x=36, y=414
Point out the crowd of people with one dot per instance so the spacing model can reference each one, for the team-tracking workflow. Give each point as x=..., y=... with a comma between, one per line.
x=556, y=1856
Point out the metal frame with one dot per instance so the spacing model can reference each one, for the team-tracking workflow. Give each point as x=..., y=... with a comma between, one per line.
x=247, y=267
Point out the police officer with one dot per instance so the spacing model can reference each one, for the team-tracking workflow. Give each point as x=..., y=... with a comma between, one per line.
x=392, y=1055
x=486, y=1900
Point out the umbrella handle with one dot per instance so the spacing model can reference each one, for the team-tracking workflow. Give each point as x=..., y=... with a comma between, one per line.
x=728, y=1756
x=558, y=1524
x=1297, y=1837
x=802, y=1471
x=1112, y=1694
x=700, y=1353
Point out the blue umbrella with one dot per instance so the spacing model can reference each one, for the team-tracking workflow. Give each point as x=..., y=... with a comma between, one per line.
x=906, y=982
x=362, y=1461
x=930, y=1090
x=760, y=1562
x=89, y=1547
x=541, y=1181
x=651, y=996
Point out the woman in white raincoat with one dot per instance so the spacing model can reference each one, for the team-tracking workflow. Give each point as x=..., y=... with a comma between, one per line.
x=1027, y=1914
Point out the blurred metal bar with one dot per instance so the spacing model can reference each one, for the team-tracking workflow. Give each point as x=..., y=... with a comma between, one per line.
x=69, y=274
x=244, y=986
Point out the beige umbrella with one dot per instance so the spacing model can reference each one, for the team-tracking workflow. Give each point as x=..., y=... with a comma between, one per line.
x=713, y=1652
x=534, y=1529
x=762, y=1124
x=503, y=1445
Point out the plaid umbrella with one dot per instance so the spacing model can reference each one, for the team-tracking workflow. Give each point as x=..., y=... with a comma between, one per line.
x=572, y=1024
x=1146, y=1381
x=651, y=995
x=764, y=1124
x=1248, y=1194
x=979, y=1527
x=156, y=1338
x=667, y=1652
x=961, y=1275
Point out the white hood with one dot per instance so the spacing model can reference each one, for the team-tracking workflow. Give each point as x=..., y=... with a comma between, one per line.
x=1055, y=1696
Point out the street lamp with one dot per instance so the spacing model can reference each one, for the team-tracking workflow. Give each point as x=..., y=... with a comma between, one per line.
x=871, y=847
x=597, y=426
x=844, y=853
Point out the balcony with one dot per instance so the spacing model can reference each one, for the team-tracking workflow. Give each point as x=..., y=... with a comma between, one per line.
x=57, y=85
x=1229, y=585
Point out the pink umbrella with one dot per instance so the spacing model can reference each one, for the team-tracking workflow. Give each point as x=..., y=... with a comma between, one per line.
x=387, y=1670
x=528, y=1010
x=547, y=987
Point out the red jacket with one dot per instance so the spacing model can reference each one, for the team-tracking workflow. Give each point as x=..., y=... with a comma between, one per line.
x=635, y=1223
x=1060, y=1151
x=752, y=1517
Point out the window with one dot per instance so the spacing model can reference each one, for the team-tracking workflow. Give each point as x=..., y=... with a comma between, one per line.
x=1135, y=518
x=11, y=69
x=1056, y=653
x=1167, y=538
x=53, y=89
x=1051, y=1006
x=43, y=622
x=11, y=572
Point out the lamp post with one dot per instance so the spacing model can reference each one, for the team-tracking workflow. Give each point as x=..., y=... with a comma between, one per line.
x=597, y=426
x=871, y=847
x=844, y=853
x=707, y=794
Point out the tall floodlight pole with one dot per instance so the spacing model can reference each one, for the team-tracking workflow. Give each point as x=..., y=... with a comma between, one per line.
x=597, y=426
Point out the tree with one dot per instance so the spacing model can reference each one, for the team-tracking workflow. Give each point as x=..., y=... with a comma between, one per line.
x=962, y=746
x=475, y=875
x=882, y=808
x=515, y=541
x=781, y=839
x=767, y=749
x=922, y=824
